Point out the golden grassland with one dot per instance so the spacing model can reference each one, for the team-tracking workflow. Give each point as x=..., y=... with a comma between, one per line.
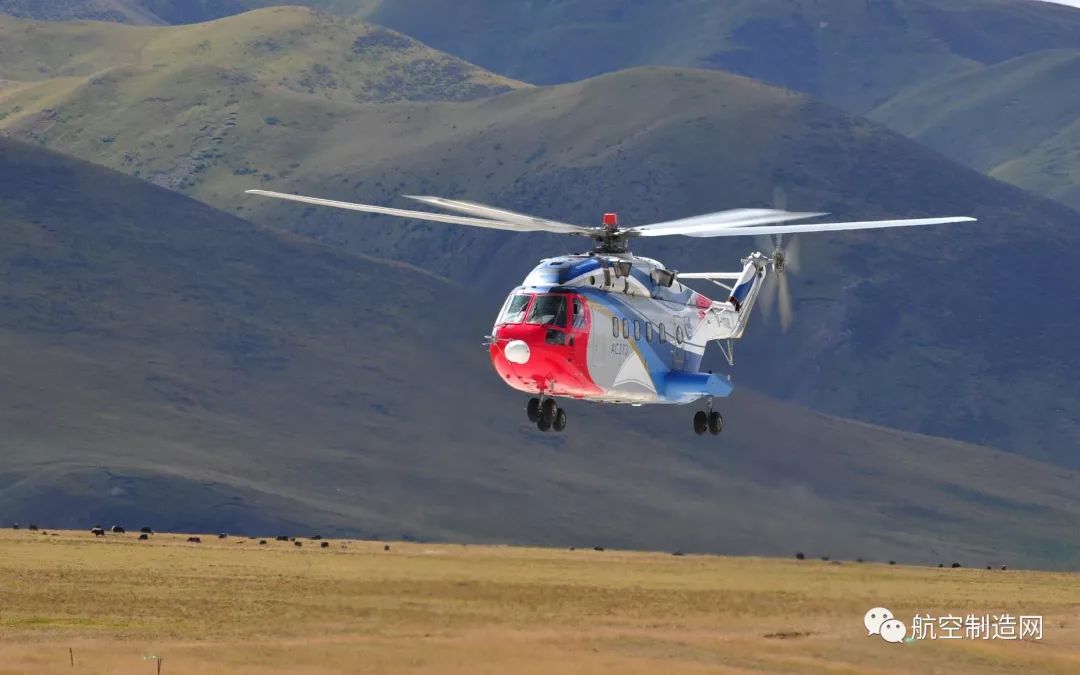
x=235, y=606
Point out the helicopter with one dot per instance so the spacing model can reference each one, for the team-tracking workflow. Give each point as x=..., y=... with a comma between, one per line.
x=613, y=327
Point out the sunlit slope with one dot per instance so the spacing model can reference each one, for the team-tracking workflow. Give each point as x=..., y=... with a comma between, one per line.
x=1018, y=120
x=166, y=103
x=164, y=362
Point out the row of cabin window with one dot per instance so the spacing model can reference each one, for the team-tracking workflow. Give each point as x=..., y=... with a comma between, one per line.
x=661, y=331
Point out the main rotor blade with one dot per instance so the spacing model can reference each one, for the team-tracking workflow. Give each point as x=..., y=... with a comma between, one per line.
x=424, y=215
x=734, y=218
x=728, y=231
x=495, y=213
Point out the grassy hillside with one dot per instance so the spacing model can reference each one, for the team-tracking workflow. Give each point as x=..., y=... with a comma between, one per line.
x=1014, y=120
x=102, y=91
x=165, y=363
x=233, y=606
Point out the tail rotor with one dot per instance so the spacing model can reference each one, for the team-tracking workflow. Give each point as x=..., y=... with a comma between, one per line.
x=783, y=260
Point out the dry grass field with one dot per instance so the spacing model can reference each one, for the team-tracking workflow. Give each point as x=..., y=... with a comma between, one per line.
x=235, y=606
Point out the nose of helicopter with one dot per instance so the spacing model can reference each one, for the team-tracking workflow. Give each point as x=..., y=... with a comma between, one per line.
x=533, y=358
x=517, y=351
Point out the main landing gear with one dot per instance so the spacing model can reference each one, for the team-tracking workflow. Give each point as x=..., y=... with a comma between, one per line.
x=709, y=420
x=546, y=414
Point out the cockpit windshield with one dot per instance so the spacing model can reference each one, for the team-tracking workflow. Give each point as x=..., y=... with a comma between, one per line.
x=549, y=310
x=514, y=309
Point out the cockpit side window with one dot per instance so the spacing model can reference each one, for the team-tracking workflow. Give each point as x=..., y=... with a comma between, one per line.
x=579, y=313
x=548, y=310
x=514, y=309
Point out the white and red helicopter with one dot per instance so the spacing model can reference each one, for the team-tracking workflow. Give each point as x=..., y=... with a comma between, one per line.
x=613, y=327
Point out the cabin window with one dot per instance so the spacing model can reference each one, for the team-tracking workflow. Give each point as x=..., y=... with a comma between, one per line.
x=548, y=310
x=637, y=329
x=625, y=328
x=648, y=332
x=579, y=314
x=615, y=326
x=662, y=332
x=514, y=309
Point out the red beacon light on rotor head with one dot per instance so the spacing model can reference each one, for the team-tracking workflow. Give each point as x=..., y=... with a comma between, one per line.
x=611, y=220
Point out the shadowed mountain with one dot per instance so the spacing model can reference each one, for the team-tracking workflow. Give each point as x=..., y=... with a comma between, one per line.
x=950, y=64
x=120, y=11
x=854, y=54
x=164, y=363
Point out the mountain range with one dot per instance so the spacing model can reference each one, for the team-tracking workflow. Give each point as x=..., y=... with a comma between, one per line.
x=890, y=59
x=652, y=143
x=167, y=364
x=217, y=369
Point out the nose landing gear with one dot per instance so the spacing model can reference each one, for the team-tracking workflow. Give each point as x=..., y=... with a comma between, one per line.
x=546, y=414
x=710, y=421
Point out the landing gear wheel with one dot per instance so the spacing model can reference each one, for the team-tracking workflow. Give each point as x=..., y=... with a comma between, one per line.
x=560, y=421
x=532, y=409
x=716, y=423
x=701, y=422
x=543, y=424
x=547, y=411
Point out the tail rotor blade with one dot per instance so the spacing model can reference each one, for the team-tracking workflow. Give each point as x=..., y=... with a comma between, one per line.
x=786, y=311
x=791, y=255
x=779, y=198
x=767, y=296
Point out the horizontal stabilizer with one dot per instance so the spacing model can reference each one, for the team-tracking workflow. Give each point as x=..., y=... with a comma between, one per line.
x=733, y=276
x=689, y=387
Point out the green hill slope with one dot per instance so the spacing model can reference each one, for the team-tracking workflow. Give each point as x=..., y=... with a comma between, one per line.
x=165, y=362
x=165, y=103
x=1013, y=120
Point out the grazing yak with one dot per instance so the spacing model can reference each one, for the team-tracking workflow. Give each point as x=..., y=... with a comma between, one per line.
x=97, y=531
